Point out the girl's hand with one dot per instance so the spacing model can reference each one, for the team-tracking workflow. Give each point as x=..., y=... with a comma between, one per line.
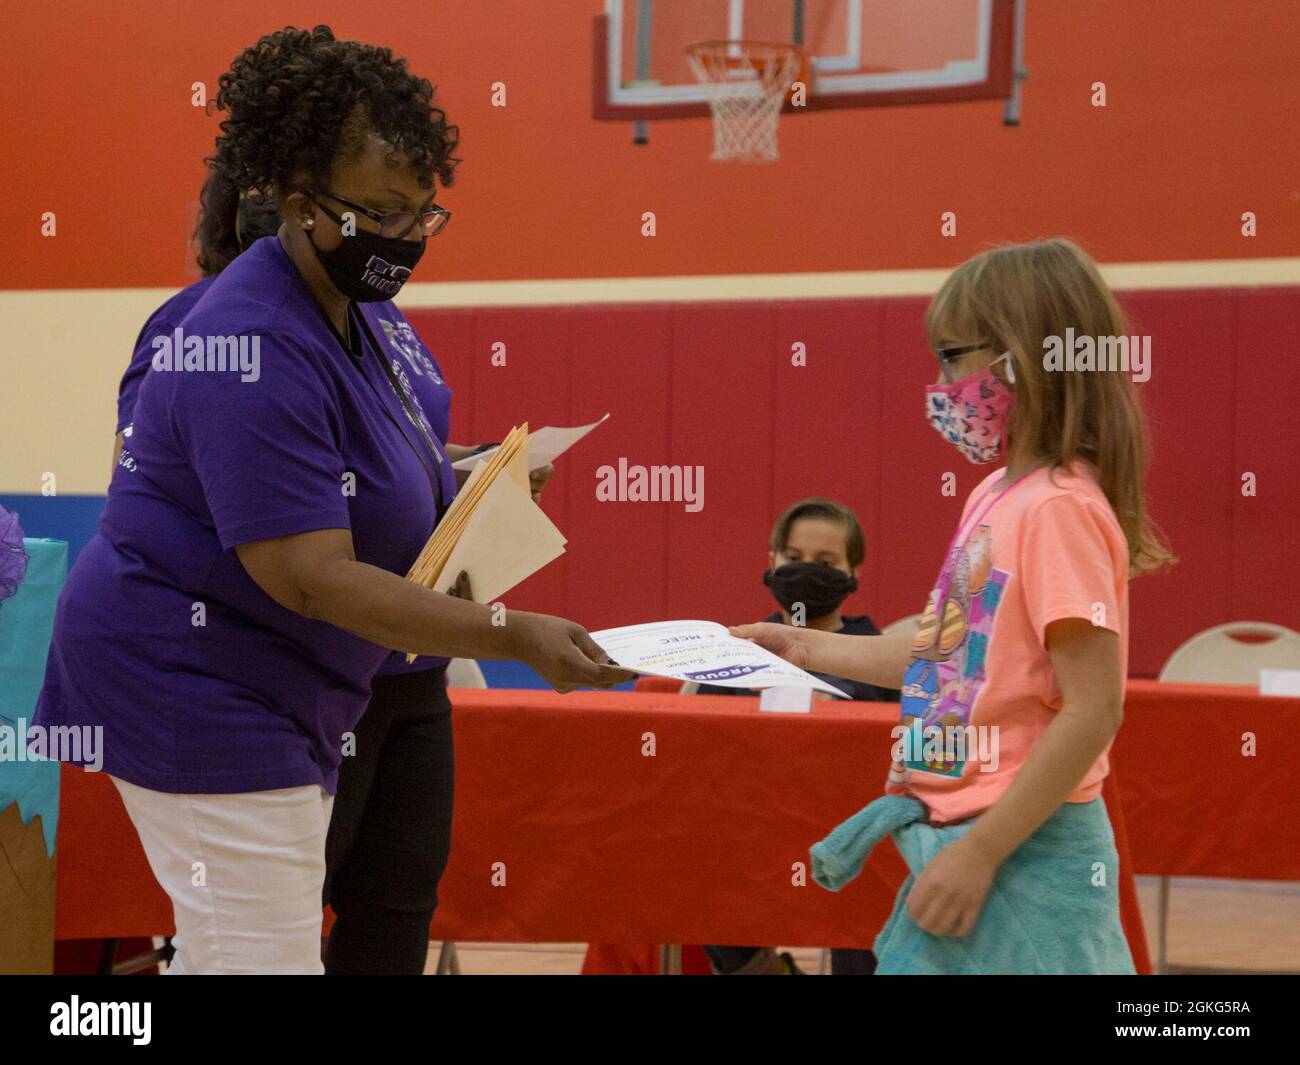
x=947, y=897
x=537, y=480
x=784, y=641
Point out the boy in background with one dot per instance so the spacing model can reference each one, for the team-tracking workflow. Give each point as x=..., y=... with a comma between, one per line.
x=817, y=551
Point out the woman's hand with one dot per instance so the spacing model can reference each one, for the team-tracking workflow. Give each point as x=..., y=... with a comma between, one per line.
x=784, y=641
x=461, y=589
x=537, y=480
x=563, y=653
x=946, y=899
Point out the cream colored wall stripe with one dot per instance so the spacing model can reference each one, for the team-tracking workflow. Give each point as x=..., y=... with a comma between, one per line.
x=1229, y=273
x=63, y=351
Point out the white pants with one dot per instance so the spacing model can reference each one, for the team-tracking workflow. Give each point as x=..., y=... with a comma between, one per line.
x=244, y=873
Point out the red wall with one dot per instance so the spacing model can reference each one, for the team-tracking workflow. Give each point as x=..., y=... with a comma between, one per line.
x=98, y=127
x=1200, y=126
x=706, y=383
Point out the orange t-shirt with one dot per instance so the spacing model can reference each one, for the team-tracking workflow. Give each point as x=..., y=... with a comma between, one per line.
x=981, y=689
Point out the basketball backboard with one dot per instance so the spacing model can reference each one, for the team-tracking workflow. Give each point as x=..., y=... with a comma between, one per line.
x=864, y=53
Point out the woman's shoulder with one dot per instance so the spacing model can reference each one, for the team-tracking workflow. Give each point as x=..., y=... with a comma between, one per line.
x=257, y=325
x=256, y=291
x=282, y=325
x=175, y=308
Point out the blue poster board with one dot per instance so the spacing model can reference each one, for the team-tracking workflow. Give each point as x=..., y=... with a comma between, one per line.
x=29, y=790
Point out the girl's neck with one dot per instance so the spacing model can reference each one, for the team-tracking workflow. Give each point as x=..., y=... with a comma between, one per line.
x=1017, y=467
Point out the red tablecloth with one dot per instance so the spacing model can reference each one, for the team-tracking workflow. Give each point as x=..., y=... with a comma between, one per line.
x=1196, y=802
x=700, y=842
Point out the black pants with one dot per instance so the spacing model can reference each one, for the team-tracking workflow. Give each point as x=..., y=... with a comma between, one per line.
x=390, y=832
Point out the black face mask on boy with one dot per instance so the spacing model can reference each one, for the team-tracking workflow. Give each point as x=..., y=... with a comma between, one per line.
x=821, y=588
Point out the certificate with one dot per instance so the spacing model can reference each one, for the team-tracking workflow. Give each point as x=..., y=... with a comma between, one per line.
x=704, y=652
x=545, y=445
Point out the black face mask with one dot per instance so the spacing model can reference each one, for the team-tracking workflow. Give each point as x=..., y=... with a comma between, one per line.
x=819, y=587
x=367, y=267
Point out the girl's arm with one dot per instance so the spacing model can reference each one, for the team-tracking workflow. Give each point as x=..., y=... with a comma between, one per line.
x=948, y=895
x=878, y=660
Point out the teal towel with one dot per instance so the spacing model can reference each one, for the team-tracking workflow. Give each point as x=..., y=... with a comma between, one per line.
x=26, y=622
x=1053, y=906
x=840, y=856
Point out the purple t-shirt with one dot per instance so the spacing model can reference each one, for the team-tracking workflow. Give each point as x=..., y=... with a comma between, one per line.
x=161, y=323
x=391, y=330
x=200, y=681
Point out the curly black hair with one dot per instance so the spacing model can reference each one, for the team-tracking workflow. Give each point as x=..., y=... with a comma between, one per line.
x=298, y=101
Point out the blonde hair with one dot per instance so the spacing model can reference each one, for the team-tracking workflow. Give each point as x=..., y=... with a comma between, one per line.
x=1015, y=297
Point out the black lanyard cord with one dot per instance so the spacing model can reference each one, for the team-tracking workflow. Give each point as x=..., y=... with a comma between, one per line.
x=434, y=481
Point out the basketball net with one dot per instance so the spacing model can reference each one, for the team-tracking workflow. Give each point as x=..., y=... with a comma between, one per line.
x=747, y=83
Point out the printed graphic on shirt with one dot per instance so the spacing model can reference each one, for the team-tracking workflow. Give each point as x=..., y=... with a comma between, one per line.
x=412, y=402
x=402, y=337
x=949, y=656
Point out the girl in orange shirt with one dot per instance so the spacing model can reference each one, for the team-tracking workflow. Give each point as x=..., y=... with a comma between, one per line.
x=1013, y=683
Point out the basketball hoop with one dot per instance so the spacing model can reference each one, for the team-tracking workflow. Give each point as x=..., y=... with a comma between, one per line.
x=747, y=83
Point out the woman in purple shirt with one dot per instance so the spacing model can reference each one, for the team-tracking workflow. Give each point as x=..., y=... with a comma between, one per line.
x=390, y=827
x=223, y=627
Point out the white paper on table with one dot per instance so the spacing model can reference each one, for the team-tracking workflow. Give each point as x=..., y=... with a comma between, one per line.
x=787, y=700
x=544, y=446
x=704, y=652
x=1279, y=682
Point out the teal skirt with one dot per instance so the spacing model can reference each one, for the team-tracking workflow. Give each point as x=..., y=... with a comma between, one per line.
x=1053, y=906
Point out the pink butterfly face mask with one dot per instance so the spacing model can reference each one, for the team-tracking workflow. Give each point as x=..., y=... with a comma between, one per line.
x=971, y=414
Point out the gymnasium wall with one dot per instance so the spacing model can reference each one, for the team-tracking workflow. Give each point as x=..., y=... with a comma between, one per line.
x=685, y=336
x=712, y=384
x=99, y=127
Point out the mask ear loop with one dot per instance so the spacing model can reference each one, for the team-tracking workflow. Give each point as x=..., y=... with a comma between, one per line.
x=1011, y=366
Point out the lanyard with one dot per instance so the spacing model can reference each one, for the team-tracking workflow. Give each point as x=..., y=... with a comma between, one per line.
x=434, y=481
x=404, y=400
x=963, y=534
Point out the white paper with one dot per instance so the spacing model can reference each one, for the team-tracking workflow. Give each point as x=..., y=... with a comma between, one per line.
x=787, y=700
x=544, y=446
x=507, y=539
x=704, y=652
x=1279, y=682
